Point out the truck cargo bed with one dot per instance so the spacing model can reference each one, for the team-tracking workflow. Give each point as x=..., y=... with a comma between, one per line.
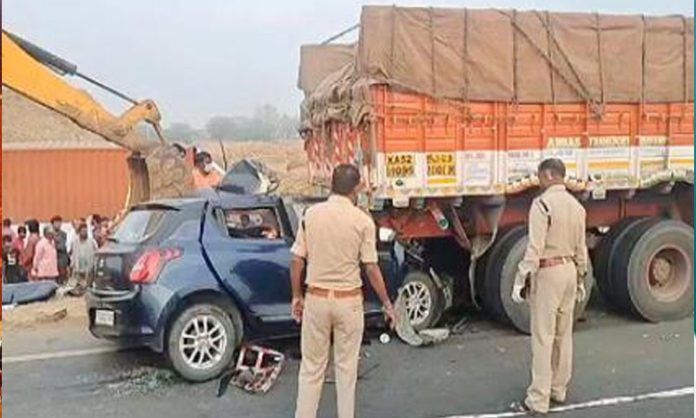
x=417, y=146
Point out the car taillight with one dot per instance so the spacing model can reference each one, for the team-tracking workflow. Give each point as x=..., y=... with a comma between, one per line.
x=149, y=265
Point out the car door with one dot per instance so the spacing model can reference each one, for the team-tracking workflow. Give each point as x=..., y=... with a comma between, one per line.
x=387, y=262
x=256, y=269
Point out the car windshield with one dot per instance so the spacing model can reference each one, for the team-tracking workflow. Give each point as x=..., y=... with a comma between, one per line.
x=138, y=225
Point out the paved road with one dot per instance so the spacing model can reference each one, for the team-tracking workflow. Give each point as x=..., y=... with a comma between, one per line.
x=480, y=371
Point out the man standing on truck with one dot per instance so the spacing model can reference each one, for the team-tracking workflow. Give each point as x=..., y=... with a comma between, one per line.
x=334, y=239
x=551, y=278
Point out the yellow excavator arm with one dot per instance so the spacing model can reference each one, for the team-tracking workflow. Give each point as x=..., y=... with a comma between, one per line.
x=156, y=168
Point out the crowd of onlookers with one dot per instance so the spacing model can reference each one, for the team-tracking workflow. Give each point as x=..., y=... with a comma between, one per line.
x=66, y=255
x=54, y=252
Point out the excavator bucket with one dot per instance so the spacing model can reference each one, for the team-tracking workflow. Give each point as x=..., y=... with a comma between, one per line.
x=168, y=174
x=139, y=184
x=162, y=174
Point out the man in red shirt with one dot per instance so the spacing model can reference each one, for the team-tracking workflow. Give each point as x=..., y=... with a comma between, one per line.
x=18, y=242
x=26, y=259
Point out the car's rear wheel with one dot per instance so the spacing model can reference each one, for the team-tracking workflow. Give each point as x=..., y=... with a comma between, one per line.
x=201, y=342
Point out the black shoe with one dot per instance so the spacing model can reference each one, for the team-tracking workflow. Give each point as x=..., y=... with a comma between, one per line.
x=556, y=403
x=521, y=406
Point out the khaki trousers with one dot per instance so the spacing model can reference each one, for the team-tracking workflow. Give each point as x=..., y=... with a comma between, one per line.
x=551, y=306
x=323, y=316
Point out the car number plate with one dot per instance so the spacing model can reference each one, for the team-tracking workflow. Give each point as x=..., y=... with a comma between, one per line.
x=104, y=317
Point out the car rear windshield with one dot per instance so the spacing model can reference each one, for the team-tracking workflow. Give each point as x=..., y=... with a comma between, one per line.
x=139, y=225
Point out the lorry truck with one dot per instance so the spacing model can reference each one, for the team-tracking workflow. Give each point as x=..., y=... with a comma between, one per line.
x=448, y=112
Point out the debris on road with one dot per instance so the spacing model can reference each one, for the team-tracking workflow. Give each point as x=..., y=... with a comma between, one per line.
x=142, y=380
x=256, y=370
x=460, y=326
x=409, y=335
x=54, y=316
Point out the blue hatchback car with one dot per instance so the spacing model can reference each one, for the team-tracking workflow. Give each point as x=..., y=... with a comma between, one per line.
x=192, y=278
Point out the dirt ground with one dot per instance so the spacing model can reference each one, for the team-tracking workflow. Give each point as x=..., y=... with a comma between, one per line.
x=63, y=310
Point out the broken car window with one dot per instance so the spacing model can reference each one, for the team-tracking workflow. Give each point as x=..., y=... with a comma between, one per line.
x=252, y=224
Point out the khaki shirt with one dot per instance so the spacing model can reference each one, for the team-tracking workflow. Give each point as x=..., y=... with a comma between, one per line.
x=556, y=229
x=335, y=238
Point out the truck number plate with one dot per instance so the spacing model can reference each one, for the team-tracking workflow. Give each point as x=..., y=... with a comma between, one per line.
x=104, y=317
x=401, y=165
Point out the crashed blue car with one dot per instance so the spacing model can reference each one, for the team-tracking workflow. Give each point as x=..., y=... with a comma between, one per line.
x=193, y=278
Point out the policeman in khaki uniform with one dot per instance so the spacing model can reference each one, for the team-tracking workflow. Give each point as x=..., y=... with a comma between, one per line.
x=551, y=279
x=335, y=238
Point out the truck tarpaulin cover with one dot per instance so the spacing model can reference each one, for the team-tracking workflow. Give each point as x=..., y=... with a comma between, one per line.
x=318, y=61
x=512, y=56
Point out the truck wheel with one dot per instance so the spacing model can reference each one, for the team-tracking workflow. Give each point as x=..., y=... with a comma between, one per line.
x=483, y=262
x=653, y=271
x=424, y=301
x=494, y=263
x=605, y=251
x=201, y=342
x=502, y=269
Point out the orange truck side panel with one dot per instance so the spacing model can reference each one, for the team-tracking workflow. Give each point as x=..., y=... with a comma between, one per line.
x=417, y=146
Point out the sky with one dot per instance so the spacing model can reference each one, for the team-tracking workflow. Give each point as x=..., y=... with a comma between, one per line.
x=201, y=58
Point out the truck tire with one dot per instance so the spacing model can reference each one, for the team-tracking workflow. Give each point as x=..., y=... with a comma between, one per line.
x=201, y=342
x=424, y=300
x=653, y=271
x=494, y=263
x=482, y=263
x=501, y=276
x=604, y=251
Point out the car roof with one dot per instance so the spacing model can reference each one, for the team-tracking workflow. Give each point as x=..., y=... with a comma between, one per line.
x=244, y=200
x=216, y=197
x=175, y=203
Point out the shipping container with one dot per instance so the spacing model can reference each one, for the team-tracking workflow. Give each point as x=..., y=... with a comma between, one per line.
x=72, y=183
x=51, y=166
